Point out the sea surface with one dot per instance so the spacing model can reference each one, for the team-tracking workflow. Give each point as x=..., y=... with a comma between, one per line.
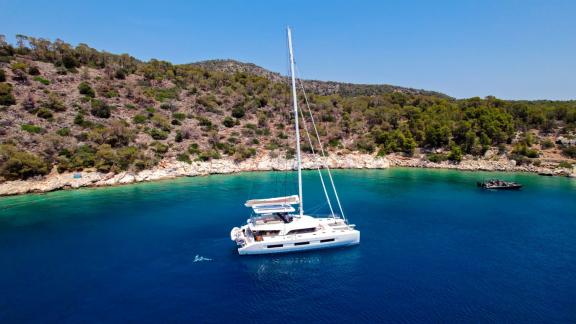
x=434, y=249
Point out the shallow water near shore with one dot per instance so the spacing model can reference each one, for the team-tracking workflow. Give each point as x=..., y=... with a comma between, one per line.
x=434, y=248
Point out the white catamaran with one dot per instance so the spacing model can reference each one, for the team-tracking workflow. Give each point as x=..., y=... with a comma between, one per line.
x=274, y=225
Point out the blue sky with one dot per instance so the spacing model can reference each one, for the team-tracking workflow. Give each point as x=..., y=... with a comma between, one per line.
x=510, y=49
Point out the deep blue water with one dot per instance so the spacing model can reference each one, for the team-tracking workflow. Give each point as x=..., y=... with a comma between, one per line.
x=434, y=249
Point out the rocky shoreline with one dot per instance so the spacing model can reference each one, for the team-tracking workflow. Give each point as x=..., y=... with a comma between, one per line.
x=170, y=168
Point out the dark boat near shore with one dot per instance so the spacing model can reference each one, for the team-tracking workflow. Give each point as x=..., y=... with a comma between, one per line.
x=499, y=185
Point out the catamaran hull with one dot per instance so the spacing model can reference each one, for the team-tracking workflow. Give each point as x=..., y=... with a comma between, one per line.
x=342, y=240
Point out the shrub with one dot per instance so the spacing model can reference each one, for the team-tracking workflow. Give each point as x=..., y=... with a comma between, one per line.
x=208, y=155
x=193, y=149
x=161, y=121
x=183, y=157
x=437, y=157
x=120, y=74
x=100, y=109
x=455, y=154
x=83, y=157
x=6, y=96
x=110, y=93
x=522, y=149
x=565, y=164
x=161, y=94
x=520, y=159
x=547, y=144
x=70, y=62
x=179, y=116
x=238, y=112
x=61, y=70
x=139, y=119
x=159, y=148
x=54, y=103
x=228, y=122
x=85, y=89
x=158, y=134
x=65, y=131
x=203, y=121
x=42, y=80
x=32, y=128
x=569, y=151
x=178, y=137
x=2, y=75
x=80, y=121
x=242, y=153
x=168, y=106
x=16, y=164
x=18, y=66
x=44, y=113
x=33, y=70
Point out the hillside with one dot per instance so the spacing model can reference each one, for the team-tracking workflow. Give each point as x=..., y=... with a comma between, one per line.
x=76, y=108
x=319, y=87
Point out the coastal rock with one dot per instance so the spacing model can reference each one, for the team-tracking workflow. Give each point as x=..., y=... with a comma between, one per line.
x=171, y=168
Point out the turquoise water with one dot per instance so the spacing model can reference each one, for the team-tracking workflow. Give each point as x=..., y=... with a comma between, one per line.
x=434, y=248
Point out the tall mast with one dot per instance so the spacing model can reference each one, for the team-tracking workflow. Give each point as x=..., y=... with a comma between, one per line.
x=295, y=100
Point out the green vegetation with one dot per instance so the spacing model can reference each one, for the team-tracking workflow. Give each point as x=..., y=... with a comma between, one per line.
x=569, y=151
x=6, y=96
x=85, y=89
x=54, y=103
x=214, y=110
x=139, y=119
x=183, y=157
x=193, y=149
x=523, y=150
x=162, y=94
x=547, y=144
x=99, y=109
x=17, y=164
x=44, y=113
x=565, y=164
x=238, y=112
x=437, y=157
x=33, y=70
x=208, y=155
x=32, y=128
x=158, y=134
x=42, y=80
x=179, y=116
x=65, y=131
x=229, y=122
x=455, y=154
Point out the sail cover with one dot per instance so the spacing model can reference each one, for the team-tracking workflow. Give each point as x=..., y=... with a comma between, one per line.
x=288, y=200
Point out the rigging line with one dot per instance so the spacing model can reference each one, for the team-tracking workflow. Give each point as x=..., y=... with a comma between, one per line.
x=317, y=166
x=321, y=147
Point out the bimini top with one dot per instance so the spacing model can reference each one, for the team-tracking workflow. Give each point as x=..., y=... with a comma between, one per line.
x=273, y=205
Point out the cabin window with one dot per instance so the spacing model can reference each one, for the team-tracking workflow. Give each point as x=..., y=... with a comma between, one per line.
x=301, y=243
x=302, y=231
x=327, y=240
x=274, y=246
x=266, y=233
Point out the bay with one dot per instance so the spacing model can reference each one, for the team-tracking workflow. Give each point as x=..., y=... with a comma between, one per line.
x=434, y=248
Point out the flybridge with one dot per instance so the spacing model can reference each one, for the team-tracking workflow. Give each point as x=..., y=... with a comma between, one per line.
x=273, y=205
